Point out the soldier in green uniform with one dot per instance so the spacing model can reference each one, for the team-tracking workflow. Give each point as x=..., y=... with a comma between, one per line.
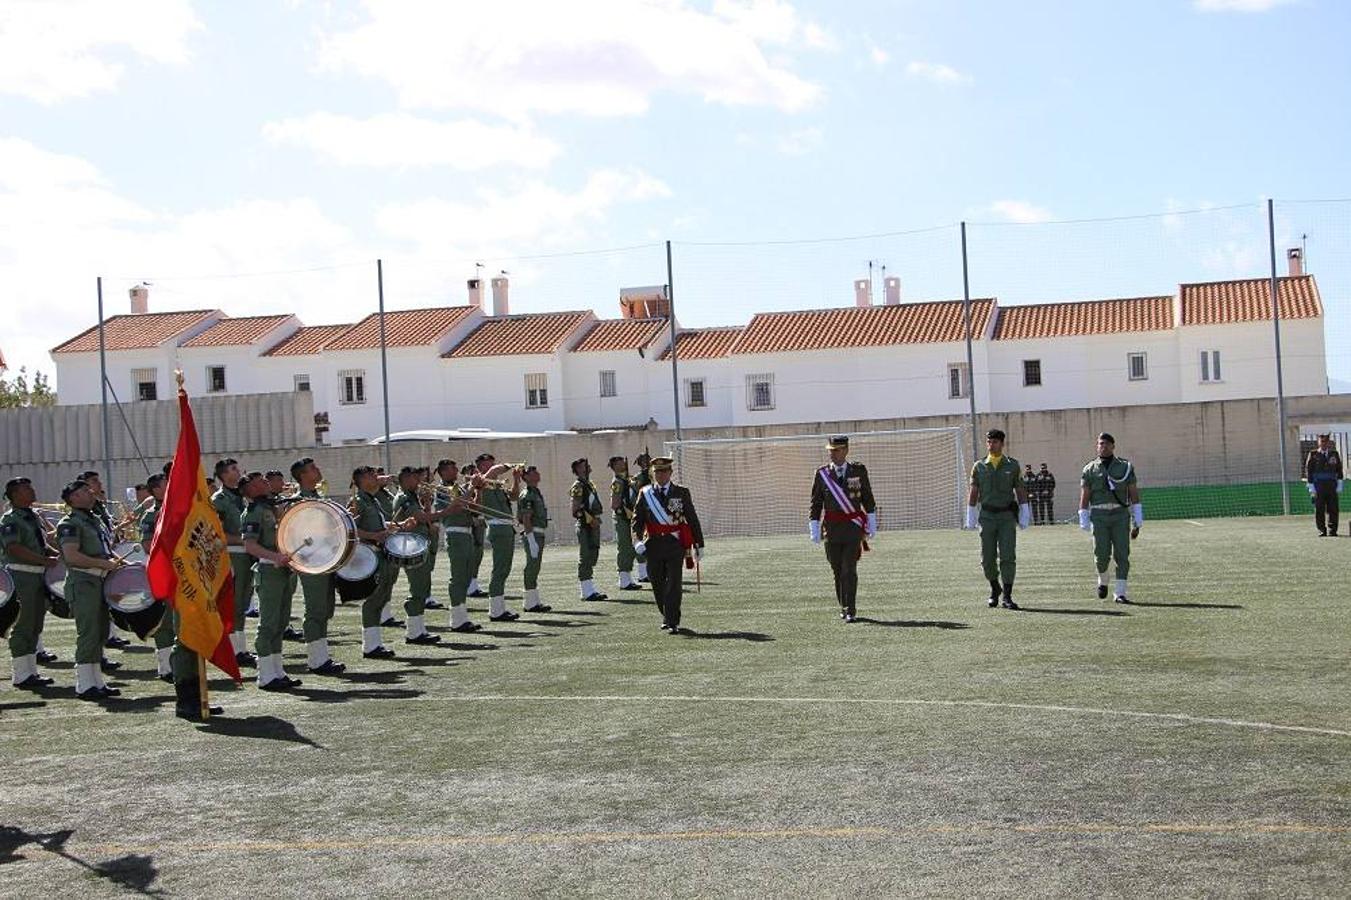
x=164, y=634
x=276, y=489
x=276, y=581
x=317, y=590
x=998, y=501
x=641, y=479
x=479, y=525
x=87, y=548
x=24, y=551
x=408, y=506
x=433, y=528
x=586, y=510
x=623, y=494
x=498, y=500
x=458, y=527
x=115, y=640
x=1046, y=486
x=229, y=505
x=372, y=508
x=1109, y=506
x=533, y=514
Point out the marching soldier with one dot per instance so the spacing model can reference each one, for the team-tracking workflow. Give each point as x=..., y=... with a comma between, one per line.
x=1046, y=487
x=1109, y=506
x=533, y=514
x=87, y=548
x=428, y=493
x=666, y=528
x=114, y=641
x=586, y=510
x=276, y=581
x=408, y=506
x=458, y=527
x=498, y=502
x=998, y=487
x=371, y=509
x=843, y=515
x=164, y=635
x=24, y=551
x=641, y=479
x=1323, y=471
x=317, y=591
x=623, y=496
x=229, y=505
x=482, y=463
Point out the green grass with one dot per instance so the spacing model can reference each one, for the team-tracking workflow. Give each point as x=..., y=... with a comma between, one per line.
x=943, y=749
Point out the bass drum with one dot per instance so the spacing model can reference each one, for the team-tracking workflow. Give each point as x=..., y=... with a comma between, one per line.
x=130, y=606
x=319, y=535
x=55, y=581
x=9, y=603
x=357, y=579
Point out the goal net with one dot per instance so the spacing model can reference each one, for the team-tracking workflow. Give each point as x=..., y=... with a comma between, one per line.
x=762, y=486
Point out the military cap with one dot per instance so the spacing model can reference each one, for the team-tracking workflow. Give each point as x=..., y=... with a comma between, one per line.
x=660, y=463
x=1105, y=436
x=643, y=458
x=15, y=483
x=615, y=459
x=153, y=482
x=839, y=442
x=87, y=476
x=1326, y=435
x=275, y=473
x=994, y=434
x=76, y=485
x=577, y=462
x=482, y=456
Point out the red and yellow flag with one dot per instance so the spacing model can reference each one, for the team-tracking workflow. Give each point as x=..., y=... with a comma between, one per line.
x=188, y=563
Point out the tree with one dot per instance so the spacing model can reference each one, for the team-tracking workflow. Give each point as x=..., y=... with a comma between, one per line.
x=15, y=392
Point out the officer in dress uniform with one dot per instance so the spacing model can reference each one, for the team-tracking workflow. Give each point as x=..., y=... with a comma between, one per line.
x=623, y=495
x=408, y=506
x=479, y=525
x=317, y=591
x=666, y=528
x=642, y=478
x=276, y=580
x=533, y=514
x=433, y=529
x=164, y=634
x=457, y=524
x=586, y=510
x=997, y=503
x=843, y=515
x=87, y=548
x=371, y=509
x=24, y=551
x=1323, y=471
x=1109, y=506
x=229, y=505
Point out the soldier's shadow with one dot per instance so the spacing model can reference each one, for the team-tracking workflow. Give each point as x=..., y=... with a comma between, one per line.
x=1074, y=612
x=560, y=623
x=753, y=636
x=1187, y=605
x=269, y=728
x=577, y=612
x=324, y=695
x=132, y=872
x=914, y=623
x=22, y=704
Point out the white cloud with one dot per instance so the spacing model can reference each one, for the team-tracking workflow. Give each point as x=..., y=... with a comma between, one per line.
x=879, y=56
x=589, y=57
x=1242, y=6
x=801, y=142
x=936, y=72
x=1020, y=211
x=401, y=139
x=53, y=50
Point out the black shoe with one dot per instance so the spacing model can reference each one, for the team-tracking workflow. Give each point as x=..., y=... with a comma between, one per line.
x=594, y=598
x=251, y=614
x=391, y=622
x=93, y=695
x=543, y=607
x=673, y=629
x=1322, y=534
x=329, y=668
x=467, y=628
x=281, y=684
x=189, y=704
x=664, y=627
x=293, y=634
x=1102, y=592
x=434, y=604
x=635, y=586
x=108, y=665
x=507, y=616
x=644, y=580
x=850, y=618
x=379, y=653
x=193, y=712
x=246, y=660
x=423, y=638
x=111, y=692
x=1122, y=598
x=992, y=602
x=167, y=678
x=35, y=682
x=479, y=593
x=116, y=643
x=46, y=657
x=1008, y=603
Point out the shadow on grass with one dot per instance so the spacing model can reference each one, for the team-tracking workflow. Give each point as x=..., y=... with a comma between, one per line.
x=1188, y=605
x=1075, y=612
x=22, y=704
x=365, y=677
x=914, y=623
x=499, y=633
x=268, y=728
x=324, y=695
x=630, y=601
x=125, y=704
x=417, y=663
x=753, y=636
x=559, y=623
x=577, y=612
x=132, y=872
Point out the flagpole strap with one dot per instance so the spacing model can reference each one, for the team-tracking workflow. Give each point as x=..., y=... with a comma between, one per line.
x=201, y=687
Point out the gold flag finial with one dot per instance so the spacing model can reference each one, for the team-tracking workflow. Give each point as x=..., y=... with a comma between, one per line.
x=178, y=376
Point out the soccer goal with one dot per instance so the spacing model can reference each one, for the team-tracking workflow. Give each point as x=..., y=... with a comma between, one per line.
x=755, y=486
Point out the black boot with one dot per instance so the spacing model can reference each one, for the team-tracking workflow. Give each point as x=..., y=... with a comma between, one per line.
x=1007, y=602
x=189, y=705
x=994, y=594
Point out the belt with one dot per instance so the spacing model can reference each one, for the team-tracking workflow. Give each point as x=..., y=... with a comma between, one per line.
x=459, y=529
x=1107, y=506
x=540, y=531
x=236, y=548
x=24, y=567
x=500, y=522
x=97, y=573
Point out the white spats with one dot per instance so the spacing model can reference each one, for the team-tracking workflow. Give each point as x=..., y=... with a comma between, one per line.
x=162, y=657
x=388, y=612
x=586, y=588
x=318, y=652
x=25, y=667
x=237, y=643
x=497, y=606
x=265, y=672
x=86, y=677
x=459, y=615
x=473, y=587
x=1102, y=579
x=642, y=570
x=1121, y=587
x=370, y=638
x=625, y=580
x=531, y=599
x=417, y=626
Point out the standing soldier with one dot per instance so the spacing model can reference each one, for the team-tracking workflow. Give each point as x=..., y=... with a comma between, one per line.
x=276, y=580
x=87, y=548
x=1323, y=471
x=229, y=505
x=1109, y=506
x=641, y=479
x=482, y=463
x=1033, y=489
x=1046, y=484
x=317, y=591
x=623, y=495
x=408, y=507
x=533, y=515
x=428, y=495
x=373, y=526
x=24, y=551
x=164, y=634
x=586, y=509
x=842, y=495
x=998, y=487
x=498, y=502
x=458, y=527
x=114, y=641
x=666, y=528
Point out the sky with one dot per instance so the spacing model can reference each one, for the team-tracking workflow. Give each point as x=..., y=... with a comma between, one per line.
x=259, y=157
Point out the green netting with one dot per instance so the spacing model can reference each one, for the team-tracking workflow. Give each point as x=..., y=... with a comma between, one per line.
x=1261, y=498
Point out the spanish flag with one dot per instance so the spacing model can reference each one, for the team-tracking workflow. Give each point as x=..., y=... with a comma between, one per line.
x=188, y=562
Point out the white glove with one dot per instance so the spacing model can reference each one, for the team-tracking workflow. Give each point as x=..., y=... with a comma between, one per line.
x=814, y=529
x=1313, y=490
x=1024, y=515
x=532, y=545
x=698, y=552
x=1339, y=487
x=972, y=516
x=1084, y=522
x=640, y=547
x=1137, y=514
x=872, y=520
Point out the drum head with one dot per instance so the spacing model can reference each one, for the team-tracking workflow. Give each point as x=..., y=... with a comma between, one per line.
x=130, y=605
x=6, y=586
x=319, y=536
x=361, y=566
x=406, y=543
x=130, y=551
x=55, y=579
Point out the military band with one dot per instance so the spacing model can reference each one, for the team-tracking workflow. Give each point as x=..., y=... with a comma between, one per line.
x=164, y=635
x=371, y=509
x=276, y=581
x=317, y=591
x=28, y=556
x=229, y=505
x=533, y=515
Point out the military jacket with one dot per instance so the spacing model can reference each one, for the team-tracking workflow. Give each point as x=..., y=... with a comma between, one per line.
x=405, y=505
x=21, y=526
x=627, y=492
x=1322, y=466
x=230, y=507
x=589, y=515
x=460, y=519
x=260, y=523
x=532, y=502
x=100, y=511
x=998, y=484
x=496, y=499
x=148, y=523
x=369, y=511
x=679, y=506
x=857, y=487
x=85, y=529
x=1107, y=479
x=308, y=494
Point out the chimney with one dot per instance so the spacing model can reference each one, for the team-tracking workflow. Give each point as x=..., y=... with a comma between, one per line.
x=140, y=299
x=1296, y=258
x=891, y=288
x=500, y=306
x=863, y=292
x=647, y=302
x=475, y=292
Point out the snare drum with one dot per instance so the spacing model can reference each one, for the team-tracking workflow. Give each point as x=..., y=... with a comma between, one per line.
x=130, y=605
x=54, y=580
x=9, y=602
x=407, y=549
x=358, y=577
x=319, y=535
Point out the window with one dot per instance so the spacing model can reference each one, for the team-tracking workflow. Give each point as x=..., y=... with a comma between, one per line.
x=607, y=383
x=352, y=387
x=759, y=392
x=302, y=383
x=215, y=379
x=1136, y=366
x=143, y=382
x=694, y=392
x=1031, y=372
x=1210, y=365
x=536, y=390
x=959, y=381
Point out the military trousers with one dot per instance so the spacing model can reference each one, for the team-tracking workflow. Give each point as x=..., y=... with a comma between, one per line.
x=241, y=565
x=372, y=608
x=1112, y=538
x=1047, y=510
x=588, y=550
x=999, y=546
x=31, y=596
x=460, y=555
x=476, y=556
x=532, y=563
x=419, y=585
x=182, y=661
x=276, y=587
x=624, y=557
x=502, y=540
x=665, y=569
x=320, y=601
x=166, y=633
x=1326, y=506
x=843, y=557
x=84, y=593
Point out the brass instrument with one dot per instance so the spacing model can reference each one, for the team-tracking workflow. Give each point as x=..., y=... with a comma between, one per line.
x=450, y=492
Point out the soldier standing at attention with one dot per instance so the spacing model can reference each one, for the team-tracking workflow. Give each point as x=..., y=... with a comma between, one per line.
x=586, y=509
x=623, y=495
x=164, y=634
x=844, y=515
x=641, y=479
x=482, y=463
x=24, y=551
x=87, y=548
x=433, y=528
x=458, y=528
x=1046, y=485
x=408, y=506
x=533, y=515
x=1109, y=506
x=276, y=581
x=1323, y=471
x=229, y=505
x=997, y=486
x=666, y=528
x=373, y=526
x=1033, y=493
x=114, y=641
x=498, y=501
x=317, y=590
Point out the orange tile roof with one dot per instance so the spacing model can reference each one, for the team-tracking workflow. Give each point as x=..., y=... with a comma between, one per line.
x=1045, y=320
x=705, y=343
x=136, y=332
x=867, y=326
x=306, y=340
x=1249, y=300
x=620, y=334
x=404, y=328
x=519, y=335
x=236, y=332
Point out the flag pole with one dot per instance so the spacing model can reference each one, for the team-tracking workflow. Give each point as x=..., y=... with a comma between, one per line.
x=202, y=691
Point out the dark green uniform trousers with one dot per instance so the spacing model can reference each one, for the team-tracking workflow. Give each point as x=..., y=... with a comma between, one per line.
x=84, y=593
x=276, y=588
x=999, y=546
x=588, y=551
x=460, y=555
x=502, y=538
x=624, y=555
x=320, y=600
x=32, y=600
x=532, y=563
x=241, y=564
x=419, y=586
x=1112, y=537
x=372, y=608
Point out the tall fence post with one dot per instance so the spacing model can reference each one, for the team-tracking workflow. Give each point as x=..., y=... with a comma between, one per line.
x=384, y=362
x=1280, y=380
x=107, y=478
x=675, y=369
x=970, y=356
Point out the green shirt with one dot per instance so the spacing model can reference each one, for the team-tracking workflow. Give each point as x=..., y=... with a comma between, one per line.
x=460, y=519
x=532, y=502
x=496, y=499
x=260, y=523
x=21, y=526
x=309, y=494
x=85, y=530
x=148, y=523
x=627, y=492
x=230, y=507
x=405, y=505
x=998, y=485
x=1106, y=481
x=370, y=511
x=590, y=497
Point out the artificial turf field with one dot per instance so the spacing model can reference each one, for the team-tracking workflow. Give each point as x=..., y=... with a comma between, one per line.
x=1195, y=743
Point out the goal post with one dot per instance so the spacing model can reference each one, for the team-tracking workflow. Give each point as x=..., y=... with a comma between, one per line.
x=745, y=487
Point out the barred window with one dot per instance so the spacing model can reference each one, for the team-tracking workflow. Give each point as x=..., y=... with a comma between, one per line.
x=352, y=387
x=1137, y=366
x=215, y=379
x=759, y=392
x=607, y=383
x=1031, y=373
x=145, y=384
x=536, y=390
x=694, y=392
x=1210, y=365
x=959, y=381
x=302, y=383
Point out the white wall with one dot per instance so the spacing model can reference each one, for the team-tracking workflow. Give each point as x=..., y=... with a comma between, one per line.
x=720, y=393
x=1247, y=360
x=489, y=392
x=77, y=374
x=632, y=404
x=1083, y=371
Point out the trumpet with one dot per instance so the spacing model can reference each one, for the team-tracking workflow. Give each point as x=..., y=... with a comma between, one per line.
x=457, y=494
